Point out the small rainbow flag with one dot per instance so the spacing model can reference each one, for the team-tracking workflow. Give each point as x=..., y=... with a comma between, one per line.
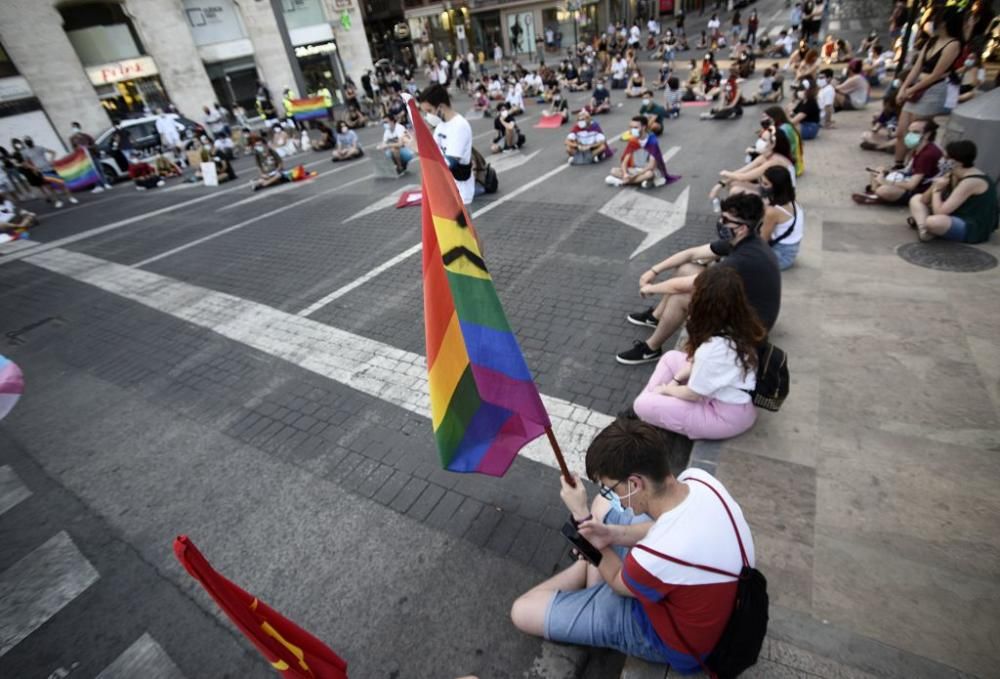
x=77, y=170
x=308, y=108
x=484, y=403
x=11, y=385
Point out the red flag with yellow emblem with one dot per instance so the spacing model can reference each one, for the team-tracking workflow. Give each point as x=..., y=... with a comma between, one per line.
x=291, y=650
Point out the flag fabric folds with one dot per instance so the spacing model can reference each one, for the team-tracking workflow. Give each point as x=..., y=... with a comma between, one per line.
x=484, y=403
x=292, y=651
x=77, y=170
x=11, y=385
x=308, y=108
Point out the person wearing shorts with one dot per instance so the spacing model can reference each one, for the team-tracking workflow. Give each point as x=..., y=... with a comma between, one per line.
x=642, y=508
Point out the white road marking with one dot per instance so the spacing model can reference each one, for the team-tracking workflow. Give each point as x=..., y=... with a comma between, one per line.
x=855, y=24
x=379, y=370
x=833, y=25
x=776, y=14
x=12, y=491
x=406, y=254
x=670, y=153
x=383, y=203
x=39, y=585
x=247, y=222
x=288, y=187
x=144, y=658
x=655, y=217
x=509, y=161
x=76, y=238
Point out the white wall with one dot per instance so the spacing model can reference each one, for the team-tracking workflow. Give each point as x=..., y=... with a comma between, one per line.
x=33, y=124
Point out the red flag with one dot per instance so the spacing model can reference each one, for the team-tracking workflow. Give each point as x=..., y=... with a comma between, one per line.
x=291, y=650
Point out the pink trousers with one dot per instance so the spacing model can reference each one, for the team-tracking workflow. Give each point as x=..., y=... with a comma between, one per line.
x=705, y=418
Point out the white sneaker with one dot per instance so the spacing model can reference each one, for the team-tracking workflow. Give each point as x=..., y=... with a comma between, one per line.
x=612, y=180
x=596, y=158
x=58, y=204
x=73, y=200
x=161, y=183
x=97, y=189
x=659, y=181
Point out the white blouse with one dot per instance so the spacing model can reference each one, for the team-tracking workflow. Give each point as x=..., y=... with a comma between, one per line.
x=717, y=373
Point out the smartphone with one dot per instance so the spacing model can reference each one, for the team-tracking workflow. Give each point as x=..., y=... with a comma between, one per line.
x=587, y=550
x=872, y=170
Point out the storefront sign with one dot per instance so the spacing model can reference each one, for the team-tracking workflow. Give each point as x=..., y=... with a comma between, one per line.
x=14, y=88
x=213, y=21
x=310, y=50
x=127, y=69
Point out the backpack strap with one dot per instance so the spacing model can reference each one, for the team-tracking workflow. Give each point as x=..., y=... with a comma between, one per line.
x=743, y=551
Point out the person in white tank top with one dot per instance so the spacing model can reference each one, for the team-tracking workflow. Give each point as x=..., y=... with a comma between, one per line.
x=784, y=219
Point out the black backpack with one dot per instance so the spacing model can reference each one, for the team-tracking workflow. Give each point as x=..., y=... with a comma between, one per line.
x=739, y=646
x=485, y=174
x=772, y=378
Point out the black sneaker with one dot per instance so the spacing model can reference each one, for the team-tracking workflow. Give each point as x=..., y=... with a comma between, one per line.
x=644, y=318
x=639, y=353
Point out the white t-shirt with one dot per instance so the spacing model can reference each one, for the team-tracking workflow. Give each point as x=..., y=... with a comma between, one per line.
x=798, y=227
x=713, y=24
x=825, y=97
x=455, y=139
x=586, y=136
x=635, y=34
x=716, y=373
x=7, y=212
x=393, y=134
x=618, y=68
x=515, y=99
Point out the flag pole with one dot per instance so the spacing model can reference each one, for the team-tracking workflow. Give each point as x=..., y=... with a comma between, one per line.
x=559, y=457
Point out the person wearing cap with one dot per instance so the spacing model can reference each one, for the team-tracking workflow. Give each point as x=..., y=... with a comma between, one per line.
x=586, y=142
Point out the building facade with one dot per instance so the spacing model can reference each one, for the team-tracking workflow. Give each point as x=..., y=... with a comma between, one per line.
x=93, y=62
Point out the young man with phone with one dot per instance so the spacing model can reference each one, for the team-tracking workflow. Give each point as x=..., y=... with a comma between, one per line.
x=635, y=600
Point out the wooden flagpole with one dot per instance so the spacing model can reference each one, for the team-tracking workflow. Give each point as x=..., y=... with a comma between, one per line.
x=559, y=457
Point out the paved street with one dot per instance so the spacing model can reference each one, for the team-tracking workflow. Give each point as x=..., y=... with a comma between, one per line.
x=247, y=369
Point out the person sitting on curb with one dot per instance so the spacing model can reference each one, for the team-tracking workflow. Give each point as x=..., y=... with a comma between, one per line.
x=784, y=219
x=347, y=146
x=898, y=187
x=644, y=502
x=772, y=150
x=704, y=391
x=394, y=143
x=269, y=163
x=642, y=162
x=586, y=143
x=961, y=205
x=728, y=104
x=739, y=246
x=655, y=114
x=804, y=112
x=600, y=100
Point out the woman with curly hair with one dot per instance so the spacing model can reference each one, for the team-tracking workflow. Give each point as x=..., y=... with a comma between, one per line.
x=703, y=391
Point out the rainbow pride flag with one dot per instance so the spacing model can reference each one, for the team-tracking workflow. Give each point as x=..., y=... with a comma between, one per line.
x=484, y=403
x=308, y=108
x=77, y=170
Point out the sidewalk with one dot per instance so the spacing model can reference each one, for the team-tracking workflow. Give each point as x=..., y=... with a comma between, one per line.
x=872, y=494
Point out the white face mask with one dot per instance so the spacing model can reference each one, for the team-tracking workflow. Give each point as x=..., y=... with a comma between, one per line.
x=761, y=146
x=969, y=63
x=821, y=82
x=635, y=132
x=582, y=124
x=432, y=119
x=647, y=102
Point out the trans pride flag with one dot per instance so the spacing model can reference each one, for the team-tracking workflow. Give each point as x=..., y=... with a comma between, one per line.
x=484, y=404
x=308, y=109
x=77, y=170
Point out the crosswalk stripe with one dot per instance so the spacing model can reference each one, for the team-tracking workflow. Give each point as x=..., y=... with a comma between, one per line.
x=145, y=658
x=833, y=25
x=12, y=491
x=39, y=585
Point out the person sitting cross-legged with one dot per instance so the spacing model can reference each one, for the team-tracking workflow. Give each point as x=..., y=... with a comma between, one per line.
x=642, y=162
x=655, y=114
x=586, y=142
x=961, y=205
x=634, y=601
x=898, y=187
x=347, y=144
x=739, y=246
x=703, y=392
x=600, y=100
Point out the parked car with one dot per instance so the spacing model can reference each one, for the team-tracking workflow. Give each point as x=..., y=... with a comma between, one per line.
x=145, y=140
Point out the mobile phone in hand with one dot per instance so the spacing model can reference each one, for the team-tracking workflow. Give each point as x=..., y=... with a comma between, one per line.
x=587, y=550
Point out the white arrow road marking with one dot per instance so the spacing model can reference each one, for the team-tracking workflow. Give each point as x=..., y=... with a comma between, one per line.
x=388, y=201
x=656, y=217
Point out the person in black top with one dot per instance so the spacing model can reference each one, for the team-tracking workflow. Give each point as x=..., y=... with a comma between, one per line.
x=805, y=113
x=509, y=137
x=739, y=245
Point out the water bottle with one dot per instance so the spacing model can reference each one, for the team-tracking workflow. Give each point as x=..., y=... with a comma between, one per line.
x=716, y=205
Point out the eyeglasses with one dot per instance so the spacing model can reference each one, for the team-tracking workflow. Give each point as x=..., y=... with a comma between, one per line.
x=608, y=492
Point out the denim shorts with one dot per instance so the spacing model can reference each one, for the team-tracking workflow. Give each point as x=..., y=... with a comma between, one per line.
x=808, y=130
x=598, y=617
x=406, y=154
x=956, y=231
x=786, y=254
